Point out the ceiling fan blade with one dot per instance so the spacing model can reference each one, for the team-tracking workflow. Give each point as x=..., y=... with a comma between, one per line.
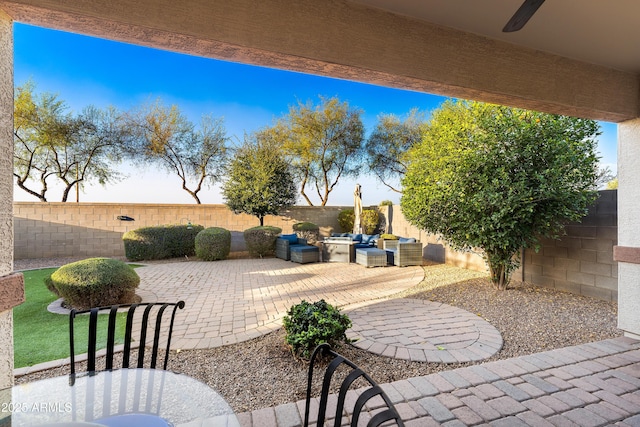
x=522, y=15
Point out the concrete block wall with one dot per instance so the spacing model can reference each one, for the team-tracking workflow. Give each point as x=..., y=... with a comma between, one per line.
x=582, y=261
x=44, y=230
x=434, y=249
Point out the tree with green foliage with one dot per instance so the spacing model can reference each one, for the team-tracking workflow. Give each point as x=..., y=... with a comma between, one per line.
x=165, y=137
x=260, y=180
x=50, y=142
x=498, y=179
x=387, y=146
x=323, y=143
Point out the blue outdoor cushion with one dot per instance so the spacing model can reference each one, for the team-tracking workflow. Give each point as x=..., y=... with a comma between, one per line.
x=370, y=239
x=292, y=238
x=356, y=237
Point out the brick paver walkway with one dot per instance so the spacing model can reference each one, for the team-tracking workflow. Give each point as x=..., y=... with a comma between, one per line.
x=423, y=331
x=235, y=300
x=596, y=384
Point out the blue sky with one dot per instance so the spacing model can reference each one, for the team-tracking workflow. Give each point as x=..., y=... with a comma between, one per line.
x=88, y=71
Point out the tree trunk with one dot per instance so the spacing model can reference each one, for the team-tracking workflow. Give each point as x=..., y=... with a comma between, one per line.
x=261, y=221
x=499, y=276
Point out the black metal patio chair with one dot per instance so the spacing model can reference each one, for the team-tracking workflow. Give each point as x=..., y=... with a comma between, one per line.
x=151, y=320
x=372, y=395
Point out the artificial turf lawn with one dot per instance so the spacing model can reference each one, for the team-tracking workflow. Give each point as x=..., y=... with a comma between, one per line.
x=40, y=336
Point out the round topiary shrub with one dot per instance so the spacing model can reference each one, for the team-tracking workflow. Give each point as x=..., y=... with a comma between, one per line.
x=310, y=324
x=308, y=231
x=346, y=219
x=213, y=244
x=94, y=282
x=370, y=220
x=261, y=240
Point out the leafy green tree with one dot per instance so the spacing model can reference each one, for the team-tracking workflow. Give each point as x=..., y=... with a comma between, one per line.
x=165, y=137
x=323, y=142
x=49, y=143
x=387, y=146
x=260, y=180
x=498, y=179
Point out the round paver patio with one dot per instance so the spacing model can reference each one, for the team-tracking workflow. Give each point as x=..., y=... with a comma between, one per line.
x=424, y=331
x=239, y=299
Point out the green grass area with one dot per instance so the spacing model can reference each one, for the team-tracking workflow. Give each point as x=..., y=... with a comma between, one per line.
x=40, y=336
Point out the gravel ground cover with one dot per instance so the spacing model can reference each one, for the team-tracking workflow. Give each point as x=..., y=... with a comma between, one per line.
x=262, y=372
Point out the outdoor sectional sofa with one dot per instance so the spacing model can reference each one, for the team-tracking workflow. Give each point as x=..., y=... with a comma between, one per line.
x=362, y=240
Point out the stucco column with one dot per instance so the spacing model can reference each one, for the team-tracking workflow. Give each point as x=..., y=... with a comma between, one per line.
x=627, y=253
x=7, y=280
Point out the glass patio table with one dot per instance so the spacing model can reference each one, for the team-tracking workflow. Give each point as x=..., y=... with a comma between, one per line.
x=124, y=397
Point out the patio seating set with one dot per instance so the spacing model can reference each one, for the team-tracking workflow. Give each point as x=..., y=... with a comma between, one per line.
x=364, y=249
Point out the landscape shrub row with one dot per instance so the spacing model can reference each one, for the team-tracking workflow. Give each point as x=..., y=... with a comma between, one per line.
x=214, y=243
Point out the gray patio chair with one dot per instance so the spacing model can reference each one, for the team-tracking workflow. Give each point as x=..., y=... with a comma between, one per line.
x=284, y=243
x=404, y=253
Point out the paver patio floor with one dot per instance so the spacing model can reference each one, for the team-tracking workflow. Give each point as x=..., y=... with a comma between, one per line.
x=236, y=300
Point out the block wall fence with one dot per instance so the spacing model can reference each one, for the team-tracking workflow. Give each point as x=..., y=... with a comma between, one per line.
x=581, y=262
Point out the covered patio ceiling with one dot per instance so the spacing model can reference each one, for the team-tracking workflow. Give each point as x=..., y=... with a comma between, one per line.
x=573, y=57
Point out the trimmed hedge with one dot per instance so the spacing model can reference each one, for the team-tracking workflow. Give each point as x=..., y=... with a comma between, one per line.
x=261, y=240
x=308, y=231
x=161, y=242
x=213, y=244
x=94, y=282
x=346, y=218
x=370, y=220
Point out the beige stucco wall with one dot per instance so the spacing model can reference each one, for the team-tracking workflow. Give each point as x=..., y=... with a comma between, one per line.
x=346, y=40
x=629, y=225
x=6, y=193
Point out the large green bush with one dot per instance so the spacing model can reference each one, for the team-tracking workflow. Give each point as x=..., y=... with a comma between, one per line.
x=161, y=242
x=94, y=282
x=310, y=324
x=308, y=231
x=261, y=240
x=346, y=219
x=370, y=220
x=213, y=244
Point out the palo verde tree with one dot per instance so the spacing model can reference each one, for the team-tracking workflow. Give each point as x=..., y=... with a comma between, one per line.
x=164, y=136
x=260, y=180
x=498, y=179
x=50, y=143
x=323, y=143
x=387, y=146
x=95, y=143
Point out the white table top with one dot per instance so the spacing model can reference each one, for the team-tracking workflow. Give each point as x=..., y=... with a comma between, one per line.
x=137, y=397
